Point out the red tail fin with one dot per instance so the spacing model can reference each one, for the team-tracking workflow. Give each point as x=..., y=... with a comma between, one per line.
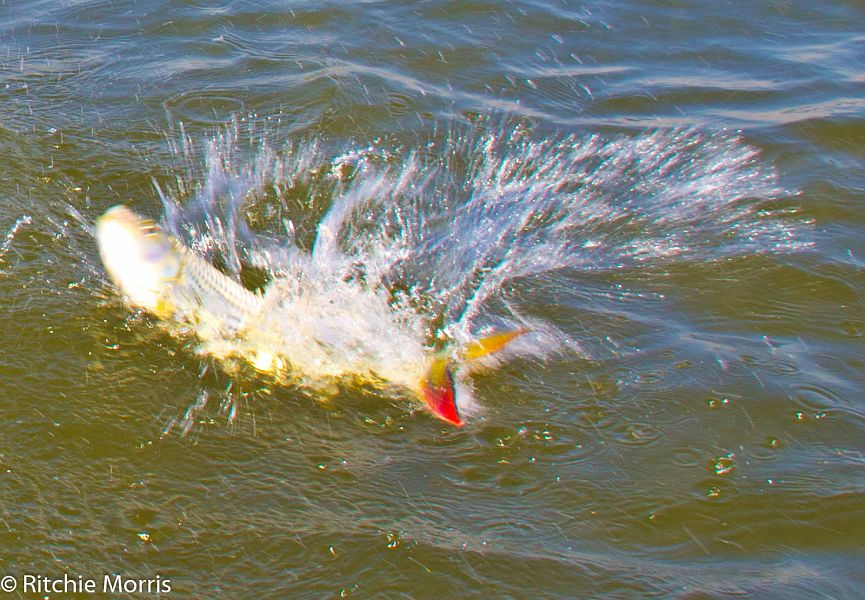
x=437, y=385
x=437, y=390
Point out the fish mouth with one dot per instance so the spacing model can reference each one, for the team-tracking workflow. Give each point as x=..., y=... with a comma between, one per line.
x=140, y=259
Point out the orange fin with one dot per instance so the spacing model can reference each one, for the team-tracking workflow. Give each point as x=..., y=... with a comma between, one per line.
x=491, y=344
x=437, y=390
x=437, y=385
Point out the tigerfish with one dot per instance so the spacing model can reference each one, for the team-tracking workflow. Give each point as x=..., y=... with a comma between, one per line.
x=318, y=328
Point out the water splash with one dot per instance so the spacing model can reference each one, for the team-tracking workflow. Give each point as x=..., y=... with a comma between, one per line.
x=438, y=231
x=6, y=246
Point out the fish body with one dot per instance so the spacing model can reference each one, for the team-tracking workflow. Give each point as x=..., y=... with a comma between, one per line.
x=315, y=327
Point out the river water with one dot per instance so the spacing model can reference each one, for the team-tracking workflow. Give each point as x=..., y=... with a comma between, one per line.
x=666, y=194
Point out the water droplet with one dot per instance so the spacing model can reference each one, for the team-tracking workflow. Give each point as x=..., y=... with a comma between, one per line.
x=724, y=464
x=393, y=540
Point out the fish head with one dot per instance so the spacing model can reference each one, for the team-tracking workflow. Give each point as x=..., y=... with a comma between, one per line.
x=140, y=259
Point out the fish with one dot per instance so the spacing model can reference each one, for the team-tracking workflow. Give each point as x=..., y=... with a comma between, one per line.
x=312, y=328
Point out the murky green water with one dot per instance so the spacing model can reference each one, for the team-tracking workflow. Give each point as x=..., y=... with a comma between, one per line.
x=700, y=432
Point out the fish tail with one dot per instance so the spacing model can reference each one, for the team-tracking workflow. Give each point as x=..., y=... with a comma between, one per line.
x=437, y=390
x=437, y=385
x=491, y=344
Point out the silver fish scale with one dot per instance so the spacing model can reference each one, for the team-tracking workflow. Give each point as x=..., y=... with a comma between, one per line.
x=208, y=296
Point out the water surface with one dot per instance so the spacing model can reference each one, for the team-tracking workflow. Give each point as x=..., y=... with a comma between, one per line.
x=670, y=192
